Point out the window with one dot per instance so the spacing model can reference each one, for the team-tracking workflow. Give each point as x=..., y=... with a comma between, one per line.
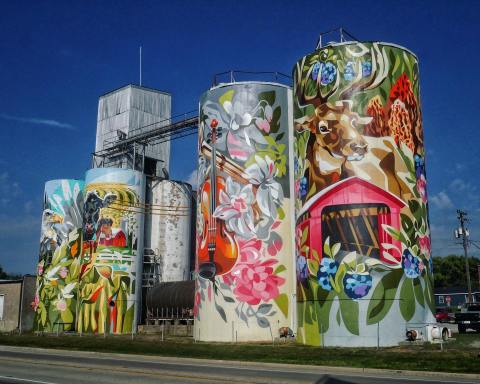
x=441, y=299
x=2, y=299
x=355, y=226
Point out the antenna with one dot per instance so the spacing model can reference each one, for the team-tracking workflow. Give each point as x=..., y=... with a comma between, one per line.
x=140, y=65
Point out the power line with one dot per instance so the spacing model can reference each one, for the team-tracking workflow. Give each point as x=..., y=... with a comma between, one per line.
x=150, y=212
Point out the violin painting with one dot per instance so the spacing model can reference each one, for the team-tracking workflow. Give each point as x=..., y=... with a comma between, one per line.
x=244, y=251
x=218, y=251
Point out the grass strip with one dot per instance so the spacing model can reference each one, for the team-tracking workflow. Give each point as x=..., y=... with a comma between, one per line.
x=458, y=356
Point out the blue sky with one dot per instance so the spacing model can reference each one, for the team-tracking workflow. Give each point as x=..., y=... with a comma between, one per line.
x=57, y=58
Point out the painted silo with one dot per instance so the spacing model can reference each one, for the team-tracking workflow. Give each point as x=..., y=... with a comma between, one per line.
x=59, y=257
x=110, y=283
x=171, y=226
x=245, y=265
x=364, y=270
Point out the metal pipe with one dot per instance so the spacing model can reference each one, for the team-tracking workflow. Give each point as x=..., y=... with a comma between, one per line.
x=134, y=155
x=22, y=289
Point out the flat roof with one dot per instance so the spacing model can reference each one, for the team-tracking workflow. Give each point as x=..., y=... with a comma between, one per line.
x=136, y=86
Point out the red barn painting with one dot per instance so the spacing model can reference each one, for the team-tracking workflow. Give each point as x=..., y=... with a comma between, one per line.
x=351, y=212
x=116, y=238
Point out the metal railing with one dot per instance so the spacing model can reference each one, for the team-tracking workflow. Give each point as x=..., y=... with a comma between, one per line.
x=234, y=76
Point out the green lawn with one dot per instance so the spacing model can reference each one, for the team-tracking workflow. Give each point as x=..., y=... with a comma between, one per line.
x=461, y=355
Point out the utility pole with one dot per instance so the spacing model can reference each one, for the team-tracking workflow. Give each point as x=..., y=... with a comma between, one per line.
x=478, y=270
x=463, y=232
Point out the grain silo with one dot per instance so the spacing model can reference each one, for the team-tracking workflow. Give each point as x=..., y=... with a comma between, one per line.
x=59, y=257
x=110, y=283
x=245, y=267
x=364, y=270
x=169, y=233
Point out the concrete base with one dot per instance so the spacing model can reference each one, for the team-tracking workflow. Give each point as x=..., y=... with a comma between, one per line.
x=167, y=329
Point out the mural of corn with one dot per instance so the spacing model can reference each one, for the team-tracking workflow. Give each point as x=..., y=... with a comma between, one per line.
x=111, y=251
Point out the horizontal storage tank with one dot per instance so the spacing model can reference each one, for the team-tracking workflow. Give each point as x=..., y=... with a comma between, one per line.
x=113, y=219
x=171, y=226
x=172, y=298
x=245, y=265
x=364, y=269
x=59, y=257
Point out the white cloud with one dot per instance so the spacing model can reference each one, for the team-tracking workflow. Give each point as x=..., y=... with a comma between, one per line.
x=458, y=185
x=28, y=206
x=8, y=188
x=40, y=121
x=441, y=200
x=192, y=179
x=466, y=192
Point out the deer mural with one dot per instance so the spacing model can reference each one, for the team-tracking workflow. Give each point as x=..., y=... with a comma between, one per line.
x=334, y=140
x=336, y=148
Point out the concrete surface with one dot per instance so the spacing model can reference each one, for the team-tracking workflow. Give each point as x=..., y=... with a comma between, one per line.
x=31, y=365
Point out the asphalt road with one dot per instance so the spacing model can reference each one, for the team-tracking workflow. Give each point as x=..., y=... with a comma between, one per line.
x=39, y=366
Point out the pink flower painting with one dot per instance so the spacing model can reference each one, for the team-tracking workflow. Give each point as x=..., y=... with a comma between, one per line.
x=256, y=282
x=61, y=305
x=424, y=245
x=422, y=187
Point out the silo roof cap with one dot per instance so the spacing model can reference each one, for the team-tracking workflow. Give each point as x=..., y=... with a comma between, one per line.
x=254, y=82
x=332, y=44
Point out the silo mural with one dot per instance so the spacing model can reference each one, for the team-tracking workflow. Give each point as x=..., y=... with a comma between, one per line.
x=364, y=270
x=245, y=251
x=110, y=273
x=59, y=259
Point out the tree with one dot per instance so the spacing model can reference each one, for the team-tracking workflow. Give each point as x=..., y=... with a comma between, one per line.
x=449, y=271
x=5, y=276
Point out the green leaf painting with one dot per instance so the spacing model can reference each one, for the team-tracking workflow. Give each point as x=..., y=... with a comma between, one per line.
x=383, y=296
x=282, y=303
x=349, y=311
x=417, y=288
x=407, y=299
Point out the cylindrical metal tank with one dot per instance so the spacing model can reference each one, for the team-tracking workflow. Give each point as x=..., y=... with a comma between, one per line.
x=59, y=257
x=364, y=270
x=175, y=296
x=245, y=266
x=111, y=269
x=171, y=223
